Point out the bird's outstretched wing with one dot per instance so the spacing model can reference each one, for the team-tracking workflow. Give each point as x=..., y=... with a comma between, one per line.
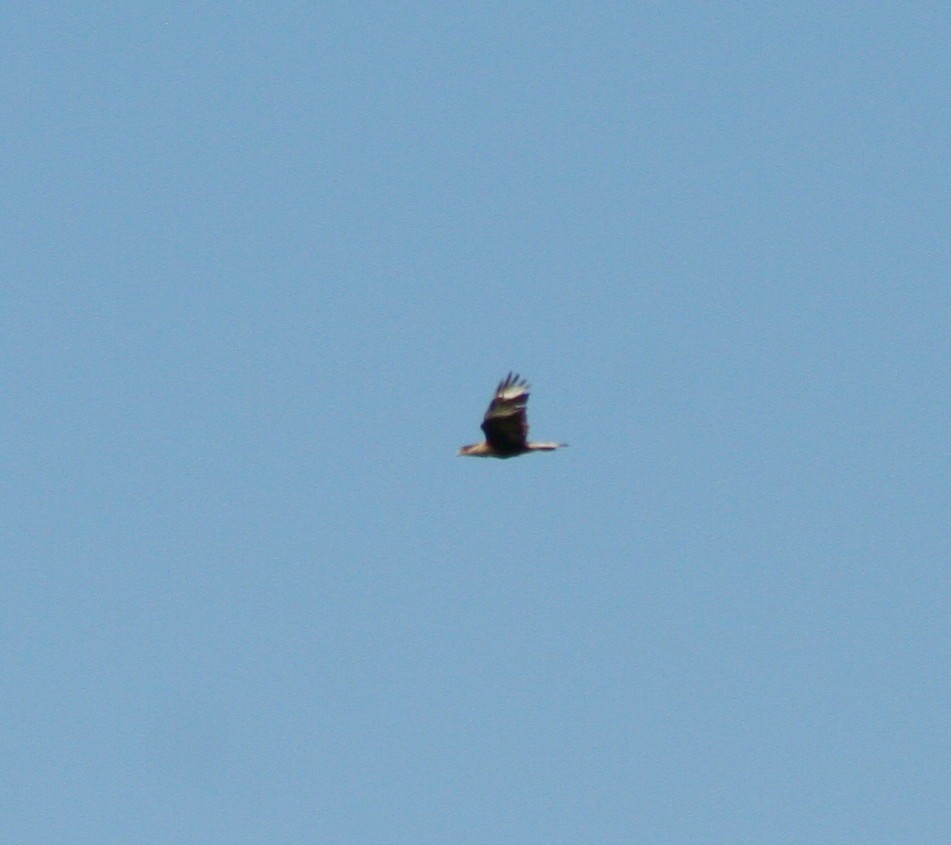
x=505, y=423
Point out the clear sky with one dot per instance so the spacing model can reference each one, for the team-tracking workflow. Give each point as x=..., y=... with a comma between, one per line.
x=263, y=264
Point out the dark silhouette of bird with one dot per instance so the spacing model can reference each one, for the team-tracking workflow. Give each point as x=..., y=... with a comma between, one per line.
x=505, y=424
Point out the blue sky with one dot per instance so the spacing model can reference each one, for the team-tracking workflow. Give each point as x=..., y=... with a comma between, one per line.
x=263, y=265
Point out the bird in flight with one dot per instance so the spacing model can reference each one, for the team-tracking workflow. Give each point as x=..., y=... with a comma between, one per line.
x=505, y=424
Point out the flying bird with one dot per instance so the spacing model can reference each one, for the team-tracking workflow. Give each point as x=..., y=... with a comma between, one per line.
x=505, y=424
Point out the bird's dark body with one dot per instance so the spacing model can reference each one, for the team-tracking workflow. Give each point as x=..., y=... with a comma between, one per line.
x=505, y=424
